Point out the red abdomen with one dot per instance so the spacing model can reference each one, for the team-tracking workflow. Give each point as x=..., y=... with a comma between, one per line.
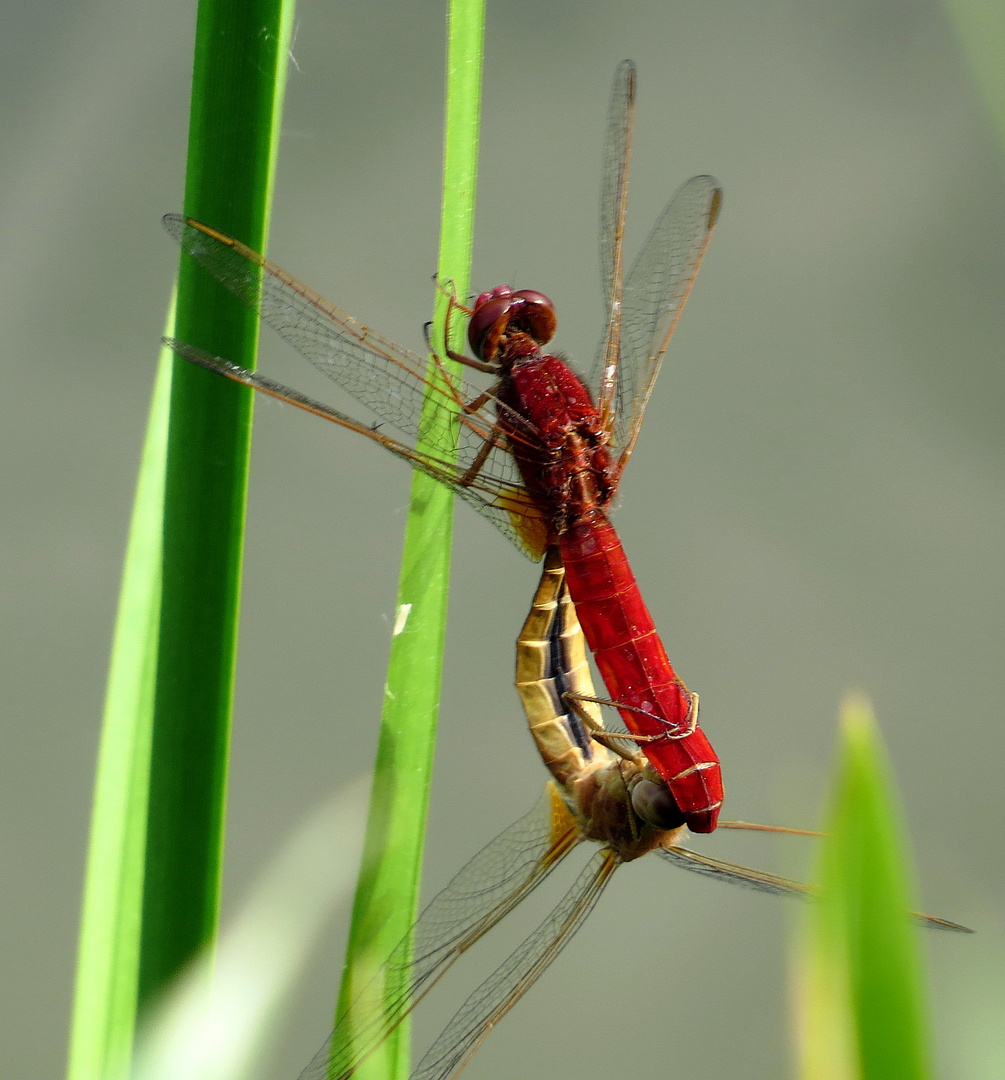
x=637, y=670
x=565, y=463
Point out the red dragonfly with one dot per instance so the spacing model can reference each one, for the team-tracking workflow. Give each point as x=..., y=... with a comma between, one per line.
x=535, y=454
x=615, y=799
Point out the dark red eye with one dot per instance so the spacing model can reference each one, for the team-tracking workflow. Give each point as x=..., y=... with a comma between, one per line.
x=533, y=297
x=483, y=332
x=499, y=290
x=496, y=309
x=538, y=313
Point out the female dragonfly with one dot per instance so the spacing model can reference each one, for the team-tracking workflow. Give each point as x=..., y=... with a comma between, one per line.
x=597, y=793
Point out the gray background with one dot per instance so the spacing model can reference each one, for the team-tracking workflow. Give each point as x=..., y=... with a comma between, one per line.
x=816, y=502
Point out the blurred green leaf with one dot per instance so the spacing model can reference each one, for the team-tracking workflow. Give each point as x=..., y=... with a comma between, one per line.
x=980, y=28
x=219, y=1018
x=860, y=1005
x=104, y=1014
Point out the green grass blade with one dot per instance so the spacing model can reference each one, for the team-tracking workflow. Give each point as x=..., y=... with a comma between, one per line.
x=153, y=864
x=237, y=91
x=861, y=1004
x=104, y=1014
x=387, y=894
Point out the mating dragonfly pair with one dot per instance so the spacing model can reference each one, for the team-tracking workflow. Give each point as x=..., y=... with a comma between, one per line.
x=541, y=457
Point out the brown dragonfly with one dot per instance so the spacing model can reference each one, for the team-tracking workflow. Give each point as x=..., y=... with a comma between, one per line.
x=599, y=793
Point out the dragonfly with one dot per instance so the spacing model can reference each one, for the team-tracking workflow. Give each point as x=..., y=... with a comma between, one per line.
x=599, y=793
x=536, y=452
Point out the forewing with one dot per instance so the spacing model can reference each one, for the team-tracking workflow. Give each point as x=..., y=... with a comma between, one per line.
x=654, y=296
x=386, y=377
x=390, y=380
x=613, y=208
x=485, y=889
x=509, y=982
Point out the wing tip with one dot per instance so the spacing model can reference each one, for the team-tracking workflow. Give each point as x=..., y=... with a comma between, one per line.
x=714, y=207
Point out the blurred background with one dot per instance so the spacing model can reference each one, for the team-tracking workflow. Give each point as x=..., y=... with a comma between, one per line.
x=817, y=502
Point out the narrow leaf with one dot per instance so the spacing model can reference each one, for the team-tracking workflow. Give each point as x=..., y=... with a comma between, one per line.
x=150, y=898
x=387, y=895
x=860, y=1004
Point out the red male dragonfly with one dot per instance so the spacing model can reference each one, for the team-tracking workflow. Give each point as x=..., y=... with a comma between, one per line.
x=535, y=454
x=615, y=799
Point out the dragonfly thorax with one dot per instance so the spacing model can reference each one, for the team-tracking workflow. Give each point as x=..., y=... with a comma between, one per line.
x=604, y=804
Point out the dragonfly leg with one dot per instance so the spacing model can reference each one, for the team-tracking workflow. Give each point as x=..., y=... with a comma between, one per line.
x=673, y=731
x=453, y=304
x=468, y=361
x=483, y=399
x=448, y=290
x=610, y=739
x=691, y=720
x=631, y=815
x=496, y=437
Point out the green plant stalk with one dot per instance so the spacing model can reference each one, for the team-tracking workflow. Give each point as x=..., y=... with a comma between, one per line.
x=151, y=891
x=237, y=92
x=387, y=893
x=862, y=1002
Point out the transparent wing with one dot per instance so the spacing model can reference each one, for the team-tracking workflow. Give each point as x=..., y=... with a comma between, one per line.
x=613, y=208
x=654, y=296
x=390, y=380
x=503, y=502
x=486, y=889
x=508, y=983
x=772, y=883
x=386, y=377
x=738, y=875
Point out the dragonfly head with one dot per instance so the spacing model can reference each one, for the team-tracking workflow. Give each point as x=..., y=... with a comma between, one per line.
x=503, y=311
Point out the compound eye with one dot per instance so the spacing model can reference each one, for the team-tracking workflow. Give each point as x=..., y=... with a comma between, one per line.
x=656, y=806
x=537, y=312
x=533, y=297
x=499, y=290
x=488, y=312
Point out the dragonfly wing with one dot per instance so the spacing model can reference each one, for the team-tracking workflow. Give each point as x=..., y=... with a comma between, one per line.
x=386, y=377
x=738, y=875
x=508, y=510
x=655, y=293
x=509, y=982
x=481, y=893
x=613, y=207
x=772, y=883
